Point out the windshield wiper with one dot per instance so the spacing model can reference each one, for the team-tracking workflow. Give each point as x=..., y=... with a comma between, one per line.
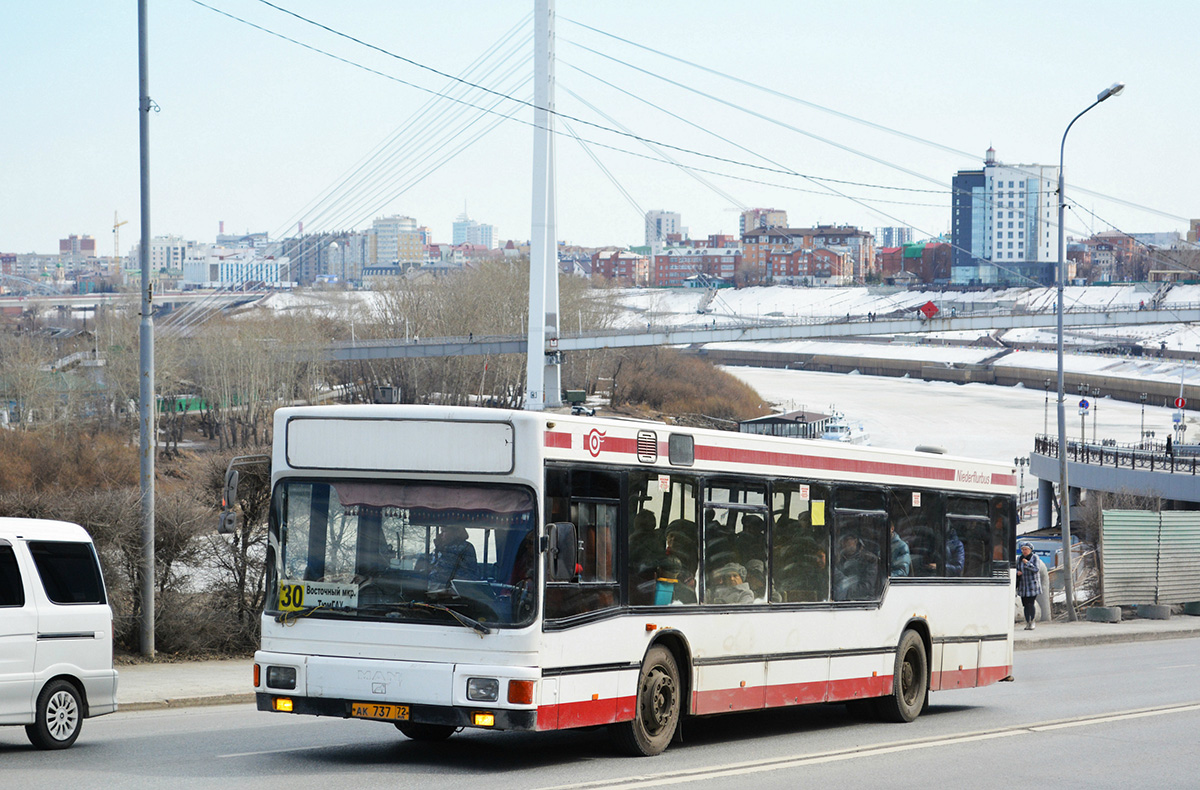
x=468, y=622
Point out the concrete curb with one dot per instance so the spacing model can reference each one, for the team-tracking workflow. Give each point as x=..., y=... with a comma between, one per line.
x=187, y=702
x=1115, y=638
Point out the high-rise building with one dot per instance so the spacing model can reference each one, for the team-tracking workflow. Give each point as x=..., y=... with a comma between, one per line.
x=1003, y=224
x=893, y=236
x=760, y=219
x=468, y=231
x=660, y=224
x=397, y=239
x=76, y=249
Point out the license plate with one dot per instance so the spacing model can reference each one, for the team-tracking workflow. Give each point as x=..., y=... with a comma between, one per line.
x=371, y=710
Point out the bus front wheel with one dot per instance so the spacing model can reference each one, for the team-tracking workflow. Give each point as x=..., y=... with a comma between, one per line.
x=656, y=713
x=910, y=681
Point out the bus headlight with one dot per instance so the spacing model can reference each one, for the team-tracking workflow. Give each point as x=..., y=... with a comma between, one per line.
x=483, y=689
x=281, y=677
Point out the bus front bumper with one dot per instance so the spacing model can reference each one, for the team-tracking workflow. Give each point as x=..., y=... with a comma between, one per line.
x=418, y=714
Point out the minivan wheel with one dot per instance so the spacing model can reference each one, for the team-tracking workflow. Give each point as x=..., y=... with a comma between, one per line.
x=59, y=717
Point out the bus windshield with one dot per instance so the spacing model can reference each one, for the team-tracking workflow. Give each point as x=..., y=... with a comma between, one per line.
x=447, y=553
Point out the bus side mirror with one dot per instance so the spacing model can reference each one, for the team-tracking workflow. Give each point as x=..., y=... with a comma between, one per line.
x=564, y=548
x=229, y=497
x=228, y=523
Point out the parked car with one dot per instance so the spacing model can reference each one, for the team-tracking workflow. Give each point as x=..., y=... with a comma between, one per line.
x=55, y=631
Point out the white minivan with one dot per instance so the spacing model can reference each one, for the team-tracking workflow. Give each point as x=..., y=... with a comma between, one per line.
x=55, y=631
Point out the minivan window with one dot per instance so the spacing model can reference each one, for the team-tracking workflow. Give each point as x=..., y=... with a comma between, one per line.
x=68, y=571
x=11, y=592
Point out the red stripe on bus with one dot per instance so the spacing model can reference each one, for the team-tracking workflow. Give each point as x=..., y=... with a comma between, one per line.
x=628, y=446
x=770, y=458
x=590, y=713
x=558, y=439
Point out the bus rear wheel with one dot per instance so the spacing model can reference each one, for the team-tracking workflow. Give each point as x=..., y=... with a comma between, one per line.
x=910, y=681
x=657, y=707
x=425, y=732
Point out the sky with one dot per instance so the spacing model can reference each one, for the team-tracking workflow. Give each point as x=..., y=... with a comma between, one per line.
x=255, y=131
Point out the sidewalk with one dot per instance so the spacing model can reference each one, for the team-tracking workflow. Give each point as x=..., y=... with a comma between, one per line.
x=189, y=683
x=185, y=684
x=1082, y=632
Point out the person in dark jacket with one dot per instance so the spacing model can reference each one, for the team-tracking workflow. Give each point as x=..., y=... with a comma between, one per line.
x=955, y=554
x=901, y=560
x=453, y=558
x=1029, y=580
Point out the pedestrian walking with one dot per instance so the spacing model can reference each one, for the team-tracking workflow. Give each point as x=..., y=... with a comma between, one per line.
x=1029, y=580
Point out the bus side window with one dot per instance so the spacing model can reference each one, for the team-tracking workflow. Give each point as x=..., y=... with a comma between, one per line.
x=662, y=532
x=967, y=520
x=917, y=518
x=590, y=500
x=1003, y=532
x=861, y=544
x=799, y=542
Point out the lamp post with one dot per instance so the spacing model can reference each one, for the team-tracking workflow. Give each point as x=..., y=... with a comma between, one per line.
x=1095, y=411
x=1021, y=463
x=1063, y=490
x=1142, y=433
x=1046, y=412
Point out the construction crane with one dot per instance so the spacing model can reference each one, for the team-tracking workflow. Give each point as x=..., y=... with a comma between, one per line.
x=117, y=238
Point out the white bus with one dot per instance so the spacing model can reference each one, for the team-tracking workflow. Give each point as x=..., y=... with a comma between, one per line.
x=444, y=567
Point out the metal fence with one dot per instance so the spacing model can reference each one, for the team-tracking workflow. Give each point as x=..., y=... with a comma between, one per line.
x=1150, y=557
x=1149, y=456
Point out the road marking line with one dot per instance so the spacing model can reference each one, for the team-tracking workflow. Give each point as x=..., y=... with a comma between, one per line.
x=284, y=751
x=761, y=766
x=1114, y=717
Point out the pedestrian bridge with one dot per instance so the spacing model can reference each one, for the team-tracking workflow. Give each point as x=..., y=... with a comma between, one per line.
x=755, y=331
x=1145, y=469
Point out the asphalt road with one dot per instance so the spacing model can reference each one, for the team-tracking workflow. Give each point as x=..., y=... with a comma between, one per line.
x=1119, y=716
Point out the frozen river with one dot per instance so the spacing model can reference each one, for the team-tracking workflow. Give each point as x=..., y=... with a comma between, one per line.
x=979, y=420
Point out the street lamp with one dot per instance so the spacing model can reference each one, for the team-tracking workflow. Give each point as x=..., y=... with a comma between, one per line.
x=1063, y=490
x=1095, y=411
x=1142, y=434
x=1021, y=463
x=1046, y=412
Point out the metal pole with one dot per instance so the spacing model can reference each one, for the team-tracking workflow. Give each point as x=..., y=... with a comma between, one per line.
x=146, y=358
x=539, y=250
x=1063, y=489
x=1142, y=434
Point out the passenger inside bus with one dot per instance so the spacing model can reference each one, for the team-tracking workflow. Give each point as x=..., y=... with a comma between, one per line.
x=955, y=554
x=856, y=572
x=729, y=586
x=800, y=564
x=901, y=557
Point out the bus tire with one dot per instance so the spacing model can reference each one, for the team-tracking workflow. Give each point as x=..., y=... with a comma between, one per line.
x=656, y=709
x=425, y=732
x=58, y=718
x=910, y=681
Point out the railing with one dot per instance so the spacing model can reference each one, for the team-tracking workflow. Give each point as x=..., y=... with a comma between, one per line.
x=1151, y=456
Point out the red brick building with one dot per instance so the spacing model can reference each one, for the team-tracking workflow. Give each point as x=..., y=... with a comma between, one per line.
x=624, y=266
x=760, y=244
x=810, y=267
x=673, y=266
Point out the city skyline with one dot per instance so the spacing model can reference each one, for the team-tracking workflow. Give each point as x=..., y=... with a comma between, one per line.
x=253, y=136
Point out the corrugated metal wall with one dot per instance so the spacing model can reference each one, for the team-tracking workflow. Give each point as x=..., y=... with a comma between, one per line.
x=1150, y=557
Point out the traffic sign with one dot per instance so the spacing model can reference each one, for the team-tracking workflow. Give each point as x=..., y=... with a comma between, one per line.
x=1180, y=403
x=1083, y=405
